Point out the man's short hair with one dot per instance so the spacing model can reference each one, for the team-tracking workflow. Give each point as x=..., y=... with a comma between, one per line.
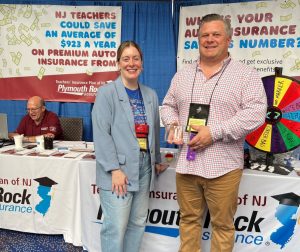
x=217, y=17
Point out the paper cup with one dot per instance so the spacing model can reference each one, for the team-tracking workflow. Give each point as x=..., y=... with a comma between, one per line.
x=40, y=143
x=18, y=139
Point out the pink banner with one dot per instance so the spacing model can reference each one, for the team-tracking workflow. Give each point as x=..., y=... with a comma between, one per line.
x=62, y=53
x=67, y=88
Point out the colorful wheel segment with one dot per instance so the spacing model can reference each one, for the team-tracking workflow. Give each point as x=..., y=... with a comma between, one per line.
x=281, y=131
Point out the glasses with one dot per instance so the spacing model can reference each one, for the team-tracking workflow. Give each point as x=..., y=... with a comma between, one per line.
x=32, y=109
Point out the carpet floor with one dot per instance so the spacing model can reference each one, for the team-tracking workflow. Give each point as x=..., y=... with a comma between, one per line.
x=13, y=241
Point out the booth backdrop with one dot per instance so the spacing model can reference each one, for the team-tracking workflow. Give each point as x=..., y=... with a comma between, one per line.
x=149, y=23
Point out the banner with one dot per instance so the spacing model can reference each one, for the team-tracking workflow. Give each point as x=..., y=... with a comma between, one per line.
x=62, y=53
x=265, y=34
x=267, y=218
x=40, y=195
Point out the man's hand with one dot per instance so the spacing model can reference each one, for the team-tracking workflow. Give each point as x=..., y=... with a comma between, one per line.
x=49, y=135
x=119, y=182
x=174, y=134
x=202, y=139
x=12, y=134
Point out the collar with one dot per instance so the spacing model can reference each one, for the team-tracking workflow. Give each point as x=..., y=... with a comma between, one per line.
x=225, y=62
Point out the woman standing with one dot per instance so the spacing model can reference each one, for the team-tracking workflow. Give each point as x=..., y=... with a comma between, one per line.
x=126, y=136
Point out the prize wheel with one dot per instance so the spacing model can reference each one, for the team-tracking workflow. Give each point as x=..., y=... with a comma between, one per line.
x=281, y=131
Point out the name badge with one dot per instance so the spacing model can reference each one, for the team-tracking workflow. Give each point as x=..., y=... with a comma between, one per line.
x=142, y=143
x=198, y=115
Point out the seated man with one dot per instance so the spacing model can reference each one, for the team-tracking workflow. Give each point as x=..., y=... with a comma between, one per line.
x=38, y=121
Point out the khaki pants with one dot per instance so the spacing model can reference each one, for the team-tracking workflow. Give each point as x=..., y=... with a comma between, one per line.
x=220, y=194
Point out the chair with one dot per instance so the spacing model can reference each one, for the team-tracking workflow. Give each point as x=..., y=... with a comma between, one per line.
x=72, y=128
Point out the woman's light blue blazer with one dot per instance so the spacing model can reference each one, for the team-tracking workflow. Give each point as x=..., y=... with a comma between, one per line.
x=114, y=136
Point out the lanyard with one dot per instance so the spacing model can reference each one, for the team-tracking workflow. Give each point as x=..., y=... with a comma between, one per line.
x=215, y=85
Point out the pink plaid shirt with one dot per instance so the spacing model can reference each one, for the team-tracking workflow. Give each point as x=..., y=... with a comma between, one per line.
x=238, y=106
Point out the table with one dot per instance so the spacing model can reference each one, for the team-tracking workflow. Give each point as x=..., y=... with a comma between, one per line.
x=25, y=204
x=255, y=220
x=73, y=208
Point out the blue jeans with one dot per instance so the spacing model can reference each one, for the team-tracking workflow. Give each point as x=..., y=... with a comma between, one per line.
x=125, y=218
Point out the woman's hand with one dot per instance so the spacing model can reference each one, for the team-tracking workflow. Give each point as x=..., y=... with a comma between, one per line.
x=159, y=168
x=119, y=182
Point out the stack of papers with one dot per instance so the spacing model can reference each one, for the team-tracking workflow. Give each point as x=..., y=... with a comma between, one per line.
x=77, y=146
x=89, y=157
x=47, y=152
x=72, y=154
x=24, y=152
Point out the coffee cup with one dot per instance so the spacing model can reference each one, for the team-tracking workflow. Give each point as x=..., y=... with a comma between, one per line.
x=40, y=143
x=18, y=139
x=48, y=143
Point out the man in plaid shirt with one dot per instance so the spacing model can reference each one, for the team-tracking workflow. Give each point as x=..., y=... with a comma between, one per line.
x=237, y=104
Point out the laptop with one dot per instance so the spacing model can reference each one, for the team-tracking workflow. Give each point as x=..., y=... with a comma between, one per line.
x=3, y=127
x=4, y=140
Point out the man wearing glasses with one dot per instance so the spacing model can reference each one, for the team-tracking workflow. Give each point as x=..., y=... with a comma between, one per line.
x=38, y=121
